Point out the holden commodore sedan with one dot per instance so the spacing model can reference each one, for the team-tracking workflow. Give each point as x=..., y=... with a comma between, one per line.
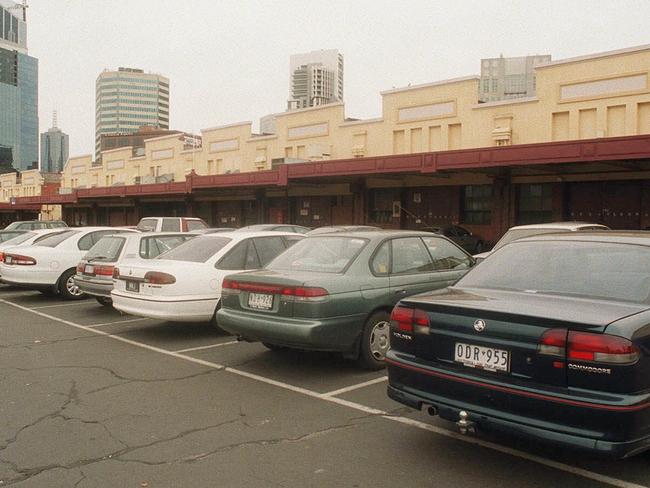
x=548, y=339
x=335, y=292
x=95, y=271
x=184, y=284
x=49, y=265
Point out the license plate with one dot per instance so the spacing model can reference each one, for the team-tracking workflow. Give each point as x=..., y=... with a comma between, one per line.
x=8, y=259
x=481, y=357
x=133, y=286
x=261, y=301
x=89, y=269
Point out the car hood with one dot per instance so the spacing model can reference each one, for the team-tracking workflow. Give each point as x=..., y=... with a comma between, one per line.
x=498, y=303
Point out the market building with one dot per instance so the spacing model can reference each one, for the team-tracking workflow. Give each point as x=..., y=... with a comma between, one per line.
x=578, y=150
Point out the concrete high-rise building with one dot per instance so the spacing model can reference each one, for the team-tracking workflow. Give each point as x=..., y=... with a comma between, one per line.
x=55, y=145
x=316, y=78
x=506, y=78
x=18, y=92
x=127, y=99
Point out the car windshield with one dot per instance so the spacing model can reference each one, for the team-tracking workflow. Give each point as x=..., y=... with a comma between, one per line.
x=320, y=254
x=197, y=250
x=609, y=271
x=514, y=234
x=19, y=239
x=108, y=248
x=53, y=240
x=195, y=225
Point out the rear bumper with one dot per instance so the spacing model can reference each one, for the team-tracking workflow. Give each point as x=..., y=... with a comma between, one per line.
x=97, y=288
x=165, y=308
x=29, y=277
x=617, y=428
x=329, y=334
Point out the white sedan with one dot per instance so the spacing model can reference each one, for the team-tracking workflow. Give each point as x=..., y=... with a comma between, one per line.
x=184, y=284
x=50, y=264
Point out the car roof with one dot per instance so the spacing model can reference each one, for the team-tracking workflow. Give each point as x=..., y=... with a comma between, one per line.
x=241, y=234
x=557, y=225
x=640, y=237
x=374, y=234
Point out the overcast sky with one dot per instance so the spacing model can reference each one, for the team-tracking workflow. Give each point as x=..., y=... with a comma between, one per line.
x=228, y=61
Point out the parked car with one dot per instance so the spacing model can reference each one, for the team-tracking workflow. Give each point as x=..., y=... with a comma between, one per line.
x=36, y=224
x=328, y=229
x=298, y=229
x=171, y=224
x=520, y=231
x=50, y=264
x=184, y=284
x=334, y=292
x=95, y=271
x=461, y=236
x=547, y=339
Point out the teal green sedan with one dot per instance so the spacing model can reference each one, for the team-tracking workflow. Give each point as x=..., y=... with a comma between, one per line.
x=335, y=292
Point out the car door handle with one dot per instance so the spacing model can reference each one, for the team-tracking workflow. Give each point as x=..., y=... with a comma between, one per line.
x=400, y=292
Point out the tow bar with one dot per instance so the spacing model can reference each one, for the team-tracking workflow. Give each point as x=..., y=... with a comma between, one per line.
x=465, y=426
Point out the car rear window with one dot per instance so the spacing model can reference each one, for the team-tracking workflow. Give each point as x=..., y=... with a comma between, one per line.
x=197, y=250
x=598, y=270
x=153, y=246
x=108, y=248
x=19, y=238
x=53, y=240
x=320, y=254
x=147, y=225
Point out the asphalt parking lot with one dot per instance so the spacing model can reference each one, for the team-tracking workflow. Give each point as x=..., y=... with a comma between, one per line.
x=92, y=398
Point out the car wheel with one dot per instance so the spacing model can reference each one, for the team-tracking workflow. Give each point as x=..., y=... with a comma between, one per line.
x=105, y=301
x=68, y=288
x=375, y=341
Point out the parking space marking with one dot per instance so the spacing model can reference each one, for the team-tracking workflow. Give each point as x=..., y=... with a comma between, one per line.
x=346, y=403
x=200, y=348
x=67, y=304
x=355, y=387
x=117, y=322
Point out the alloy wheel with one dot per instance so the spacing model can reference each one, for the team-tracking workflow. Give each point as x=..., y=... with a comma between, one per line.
x=379, y=340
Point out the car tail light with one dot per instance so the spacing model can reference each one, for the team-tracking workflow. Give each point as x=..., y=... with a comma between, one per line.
x=19, y=260
x=299, y=292
x=2, y=256
x=553, y=343
x=410, y=320
x=158, y=278
x=116, y=273
x=601, y=348
x=81, y=267
x=104, y=270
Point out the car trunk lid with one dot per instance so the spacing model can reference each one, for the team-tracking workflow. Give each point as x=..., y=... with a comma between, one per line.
x=494, y=332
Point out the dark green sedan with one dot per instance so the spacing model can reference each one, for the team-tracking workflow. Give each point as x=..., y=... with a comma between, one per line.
x=335, y=292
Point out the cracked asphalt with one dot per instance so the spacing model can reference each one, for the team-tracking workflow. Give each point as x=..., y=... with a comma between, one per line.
x=91, y=398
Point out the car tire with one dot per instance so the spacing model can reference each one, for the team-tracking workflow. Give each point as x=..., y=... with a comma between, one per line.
x=105, y=301
x=49, y=292
x=67, y=288
x=374, y=341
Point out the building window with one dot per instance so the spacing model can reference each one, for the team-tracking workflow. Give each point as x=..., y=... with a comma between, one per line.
x=477, y=204
x=535, y=204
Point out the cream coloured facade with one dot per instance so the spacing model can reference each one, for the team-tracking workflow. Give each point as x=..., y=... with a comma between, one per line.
x=30, y=183
x=601, y=95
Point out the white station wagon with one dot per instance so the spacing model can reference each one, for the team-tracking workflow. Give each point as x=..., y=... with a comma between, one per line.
x=184, y=284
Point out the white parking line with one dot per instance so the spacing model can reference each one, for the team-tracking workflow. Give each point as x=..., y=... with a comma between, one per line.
x=200, y=348
x=345, y=403
x=118, y=322
x=355, y=387
x=67, y=304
